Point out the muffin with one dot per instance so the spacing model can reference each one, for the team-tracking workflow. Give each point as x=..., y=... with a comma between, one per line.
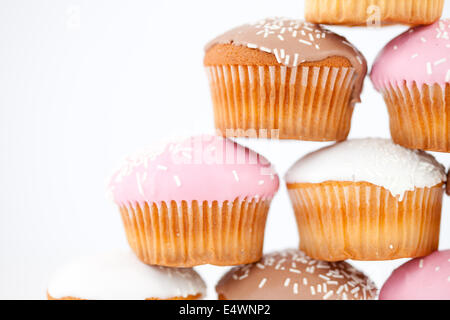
x=119, y=275
x=413, y=73
x=373, y=12
x=292, y=275
x=286, y=79
x=201, y=200
x=367, y=199
x=420, y=279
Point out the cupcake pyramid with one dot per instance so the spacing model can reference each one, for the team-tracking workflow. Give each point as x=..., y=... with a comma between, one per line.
x=205, y=199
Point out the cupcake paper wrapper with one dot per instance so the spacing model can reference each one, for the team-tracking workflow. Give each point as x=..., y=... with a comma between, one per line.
x=362, y=221
x=305, y=103
x=190, y=234
x=420, y=119
x=359, y=12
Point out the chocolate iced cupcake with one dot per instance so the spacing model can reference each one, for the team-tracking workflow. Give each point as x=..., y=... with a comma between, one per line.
x=292, y=275
x=287, y=79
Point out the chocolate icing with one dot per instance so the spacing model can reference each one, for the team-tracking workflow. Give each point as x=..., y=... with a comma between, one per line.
x=294, y=42
x=291, y=275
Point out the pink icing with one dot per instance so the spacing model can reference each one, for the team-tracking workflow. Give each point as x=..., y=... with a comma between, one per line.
x=420, y=55
x=202, y=168
x=420, y=279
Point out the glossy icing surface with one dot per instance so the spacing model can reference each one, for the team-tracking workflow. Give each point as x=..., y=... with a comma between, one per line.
x=425, y=278
x=202, y=168
x=292, y=275
x=121, y=276
x=294, y=42
x=420, y=55
x=377, y=161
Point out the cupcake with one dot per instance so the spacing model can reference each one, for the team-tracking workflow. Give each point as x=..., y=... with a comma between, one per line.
x=120, y=275
x=420, y=279
x=286, y=79
x=367, y=199
x=373, y=12
x=202, y=200
x=413, y=74
x=292, y=275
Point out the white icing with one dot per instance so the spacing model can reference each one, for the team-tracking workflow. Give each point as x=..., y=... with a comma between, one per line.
x=377, y=161
x=121, y=276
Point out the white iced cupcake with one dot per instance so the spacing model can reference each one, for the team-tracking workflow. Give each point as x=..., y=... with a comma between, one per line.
x=367, y=199
x=121, y=276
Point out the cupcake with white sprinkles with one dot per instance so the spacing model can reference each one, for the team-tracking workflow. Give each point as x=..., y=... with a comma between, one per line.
x=367, y=199
x=284, y=78
x=292, y=275
x=200, y=200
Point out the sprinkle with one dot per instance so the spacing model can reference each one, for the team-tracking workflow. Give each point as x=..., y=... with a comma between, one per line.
x=423, y=39
x=436, y=63
x=355, y=290
x=265, y=49
x=437, y=269
x=261, y=182
x=395, y=47
x=160, y=167
x=177, y=181
x=414, y=56
x=236, y=177
x=391, y=247
x=305, y=42
x=262, y=283
x=313, y=291
x=280, y=37
x=421, y=263
x=340, y=290
x=260, y=266
x=429, y=69
x=138, y=179
x=286, y=282
x=323, y=277
x=295, y=288
x=328, y=295
x=294, y=270
x=305, y=281
x=447, y=77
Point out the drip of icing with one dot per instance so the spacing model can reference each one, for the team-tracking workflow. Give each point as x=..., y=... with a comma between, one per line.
x=421, y=55
x=294, y=42
x=121, y=276
x=425, y=278
x=377, y=161
x=202, y=168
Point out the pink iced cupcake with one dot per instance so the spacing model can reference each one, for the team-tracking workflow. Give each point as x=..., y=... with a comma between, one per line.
x=413, y=74
x=203, y=200
x=420, y=279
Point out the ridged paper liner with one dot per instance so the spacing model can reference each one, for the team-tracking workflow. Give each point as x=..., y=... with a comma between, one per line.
x=190, y=234
x=305, y=103
x=420, y=119
x=358, y=12
x=362, y=221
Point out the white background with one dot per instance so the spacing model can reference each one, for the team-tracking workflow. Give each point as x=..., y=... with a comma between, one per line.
x=83, y=83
